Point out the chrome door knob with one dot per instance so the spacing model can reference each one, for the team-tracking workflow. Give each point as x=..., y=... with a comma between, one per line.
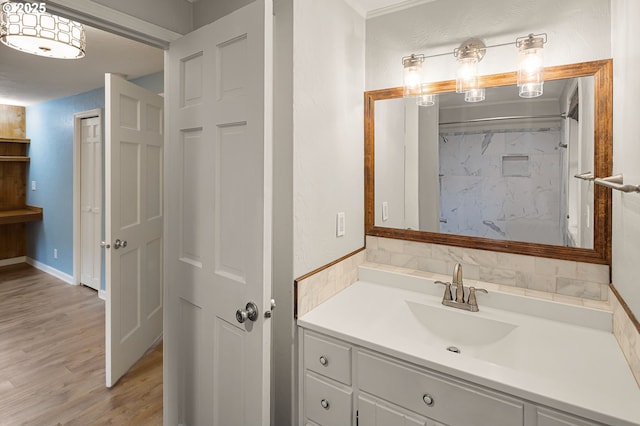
x=428, y=399
x=325, y=404
x=249, y=313
x=105, y=244
x=119, y=243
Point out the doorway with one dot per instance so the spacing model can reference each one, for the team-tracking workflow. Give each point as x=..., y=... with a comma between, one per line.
x=88, y=200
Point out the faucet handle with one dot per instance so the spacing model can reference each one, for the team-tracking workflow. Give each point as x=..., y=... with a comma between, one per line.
x=447, y=290
x=472, y=302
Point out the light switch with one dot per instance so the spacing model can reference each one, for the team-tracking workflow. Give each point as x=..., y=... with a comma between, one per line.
x=33, y=185
x=340, y=224
x=385, y=211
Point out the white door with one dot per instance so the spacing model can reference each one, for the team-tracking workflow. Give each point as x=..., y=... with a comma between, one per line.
x=218, y=232
x=90, y=201
x=134, y=223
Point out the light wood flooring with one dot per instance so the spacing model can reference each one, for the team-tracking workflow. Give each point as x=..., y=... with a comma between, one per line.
x=52, y=358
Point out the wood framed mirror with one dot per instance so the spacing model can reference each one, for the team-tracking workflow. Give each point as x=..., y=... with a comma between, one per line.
x=598, y=247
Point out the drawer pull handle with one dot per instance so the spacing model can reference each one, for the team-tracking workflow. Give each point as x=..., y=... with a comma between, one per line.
x=325, y=404
x=324, y=360
x=428, y=399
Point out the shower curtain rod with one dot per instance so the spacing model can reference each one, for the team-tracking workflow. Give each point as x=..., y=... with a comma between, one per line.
x=513, y=117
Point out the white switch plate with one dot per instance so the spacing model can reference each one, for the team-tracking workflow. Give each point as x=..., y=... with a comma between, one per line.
x=55, y=253
x=33, y=185
x=385, y=211
x=340, y=224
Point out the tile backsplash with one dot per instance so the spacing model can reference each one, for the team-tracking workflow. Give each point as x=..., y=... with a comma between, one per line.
x=320, y=286
x=562, y=277
x=627, y=335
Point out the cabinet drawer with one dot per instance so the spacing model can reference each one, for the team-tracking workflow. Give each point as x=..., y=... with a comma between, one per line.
x=325, y=403
x=327, y=357
x=548, y=417
x=453, y=402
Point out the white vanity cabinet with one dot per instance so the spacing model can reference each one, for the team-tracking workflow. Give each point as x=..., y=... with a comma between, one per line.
x=345, y=384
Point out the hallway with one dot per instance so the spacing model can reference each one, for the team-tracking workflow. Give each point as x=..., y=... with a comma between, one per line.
x=52, y=358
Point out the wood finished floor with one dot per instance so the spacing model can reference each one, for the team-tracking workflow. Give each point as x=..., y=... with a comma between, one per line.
x=52, y=358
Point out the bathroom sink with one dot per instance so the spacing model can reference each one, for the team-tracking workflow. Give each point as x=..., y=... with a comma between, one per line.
x=457, y=327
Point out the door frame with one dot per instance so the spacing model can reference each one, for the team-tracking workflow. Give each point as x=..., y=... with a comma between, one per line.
x=77, y=161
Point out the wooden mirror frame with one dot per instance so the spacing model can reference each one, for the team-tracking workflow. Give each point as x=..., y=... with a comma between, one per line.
x=602, y=72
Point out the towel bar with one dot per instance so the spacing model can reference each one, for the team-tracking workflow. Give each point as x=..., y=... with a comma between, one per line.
x=617, y=182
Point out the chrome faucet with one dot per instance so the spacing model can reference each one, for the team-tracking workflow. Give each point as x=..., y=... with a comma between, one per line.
x=447, y=299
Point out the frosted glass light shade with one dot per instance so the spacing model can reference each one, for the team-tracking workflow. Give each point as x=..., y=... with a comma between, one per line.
x=42, y=34
x=412, y=77
x=530, y=67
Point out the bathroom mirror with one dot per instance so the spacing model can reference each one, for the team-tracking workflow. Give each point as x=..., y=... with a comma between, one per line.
x=499, y=174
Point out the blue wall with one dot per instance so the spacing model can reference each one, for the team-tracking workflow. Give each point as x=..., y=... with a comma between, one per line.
x=50, y=128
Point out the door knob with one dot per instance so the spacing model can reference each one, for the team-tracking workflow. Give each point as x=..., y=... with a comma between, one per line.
x=249, y=313
x=119, y=243
x=105, y=244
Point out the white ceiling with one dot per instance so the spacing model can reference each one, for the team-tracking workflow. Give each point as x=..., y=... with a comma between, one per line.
x=370, y=8
x=28, y=79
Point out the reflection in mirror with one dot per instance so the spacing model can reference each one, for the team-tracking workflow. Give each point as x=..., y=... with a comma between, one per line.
x=500, y=169
x=496, y=175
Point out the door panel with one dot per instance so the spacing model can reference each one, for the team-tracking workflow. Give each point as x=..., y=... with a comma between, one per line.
x=134, y=187
x=218, y=247
x=90, y=202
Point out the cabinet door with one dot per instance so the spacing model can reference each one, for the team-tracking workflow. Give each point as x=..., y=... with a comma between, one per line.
x=547, y=417
x=377, y=413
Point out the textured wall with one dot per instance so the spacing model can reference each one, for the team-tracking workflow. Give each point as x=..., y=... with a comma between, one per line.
x=578, y=31
x=626, y=150
x=328, y=55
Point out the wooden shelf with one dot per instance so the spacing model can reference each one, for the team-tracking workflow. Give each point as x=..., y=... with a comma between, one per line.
x=14, y=158
x=28, y=214
x=14, y=140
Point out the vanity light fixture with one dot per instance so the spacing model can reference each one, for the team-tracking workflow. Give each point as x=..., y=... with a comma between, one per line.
x=530, y=65
x=469, y=54
x=33, y=30
x=412, y=77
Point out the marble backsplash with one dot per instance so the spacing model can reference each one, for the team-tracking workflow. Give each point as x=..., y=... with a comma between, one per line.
x=627, y=335
x=317, y=287
x=559, y=277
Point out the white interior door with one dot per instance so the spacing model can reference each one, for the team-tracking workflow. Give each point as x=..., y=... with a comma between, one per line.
x=90, y=201
x=218, y=233
x=134, y=223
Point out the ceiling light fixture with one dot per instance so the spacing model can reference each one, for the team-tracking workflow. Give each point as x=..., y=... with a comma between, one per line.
x=41, y=33
x=469, y=54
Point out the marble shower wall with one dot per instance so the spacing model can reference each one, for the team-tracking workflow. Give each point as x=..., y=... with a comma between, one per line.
x=502, y=184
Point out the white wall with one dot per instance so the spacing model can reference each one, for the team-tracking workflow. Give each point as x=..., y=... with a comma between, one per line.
x=328, y=64
x=578, y=31
x=626, y=149
x=173, y=15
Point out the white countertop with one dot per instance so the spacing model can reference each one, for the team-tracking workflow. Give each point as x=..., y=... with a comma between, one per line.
x=553, y=359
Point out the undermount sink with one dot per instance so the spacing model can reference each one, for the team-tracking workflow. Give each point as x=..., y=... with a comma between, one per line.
x=458, y=327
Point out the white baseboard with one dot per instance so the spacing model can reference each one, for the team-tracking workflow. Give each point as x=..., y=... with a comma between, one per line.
x=51, y=271
x=13, y=261
x=102, y=294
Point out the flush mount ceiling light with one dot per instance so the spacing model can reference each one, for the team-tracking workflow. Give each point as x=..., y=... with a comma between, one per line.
x=531, y=65
x=469, y=54
x=41, y=33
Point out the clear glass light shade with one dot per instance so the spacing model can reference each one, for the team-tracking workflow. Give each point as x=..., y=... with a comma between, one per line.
x=467, y=74
x=474, y=95
x=42, y=34
x=412, y=77
x=530, y=69
x=426, y=98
